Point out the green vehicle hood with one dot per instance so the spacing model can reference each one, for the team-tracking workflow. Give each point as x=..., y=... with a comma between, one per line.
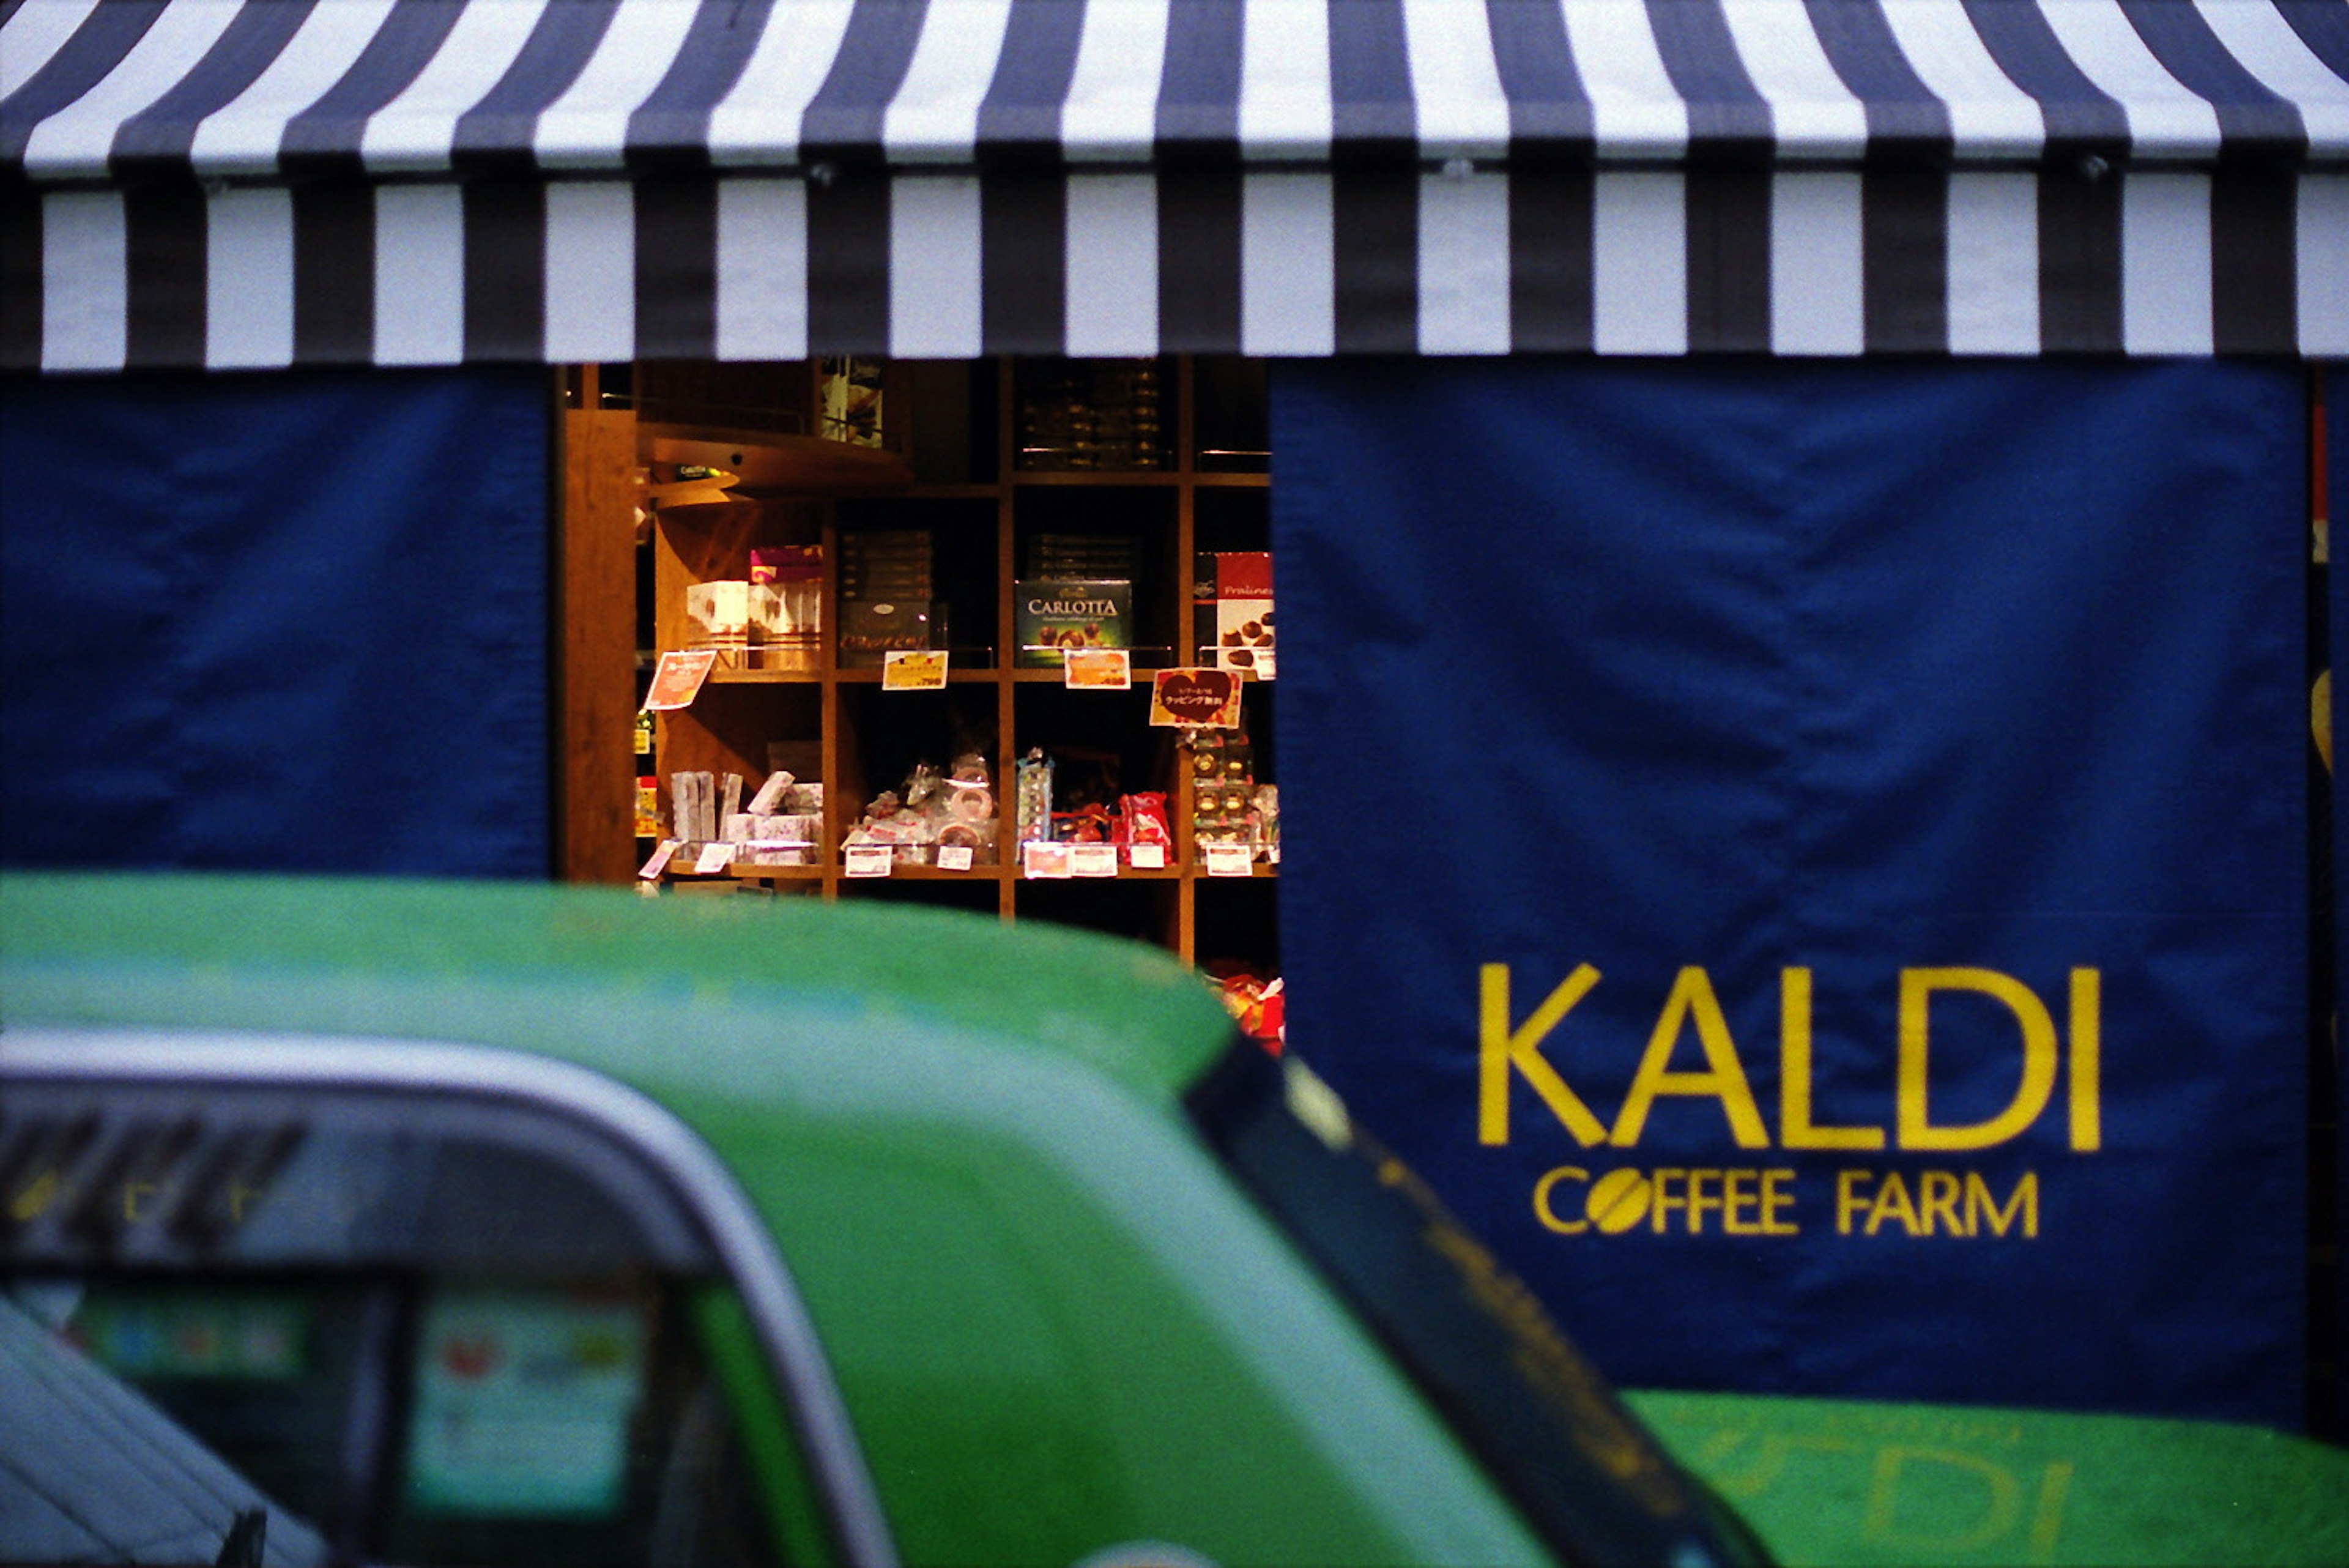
x=1831, y=1483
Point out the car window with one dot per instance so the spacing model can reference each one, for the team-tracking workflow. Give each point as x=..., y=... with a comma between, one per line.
x=296, y=1323
x=415, y=1419
x=1469, y=1334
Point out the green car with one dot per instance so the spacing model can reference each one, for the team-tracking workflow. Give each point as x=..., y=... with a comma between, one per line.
x=427, y=1224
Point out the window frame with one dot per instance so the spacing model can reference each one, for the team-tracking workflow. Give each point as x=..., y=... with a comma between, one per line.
x=415, y=1076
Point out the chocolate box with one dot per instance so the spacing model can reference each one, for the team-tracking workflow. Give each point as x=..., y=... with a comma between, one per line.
x=1055, y=614
x=1231, y=611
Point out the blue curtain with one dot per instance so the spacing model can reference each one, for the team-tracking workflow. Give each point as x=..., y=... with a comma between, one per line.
x=1811, y=861
x=2336, y=506
x=291, y=621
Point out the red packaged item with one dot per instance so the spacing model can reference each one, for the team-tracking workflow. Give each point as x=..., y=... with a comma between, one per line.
x=1142, y=819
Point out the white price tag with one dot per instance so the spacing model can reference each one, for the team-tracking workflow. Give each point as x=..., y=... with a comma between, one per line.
x=657, y=862
x=1043, y=859
x=954, y=857
x=870, y=859
x=1231, y=860
x=1092, y=859
x=715, y=856
x=1146, y=856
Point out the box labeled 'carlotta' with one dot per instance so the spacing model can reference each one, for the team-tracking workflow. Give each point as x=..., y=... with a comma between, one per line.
x=1056, y=613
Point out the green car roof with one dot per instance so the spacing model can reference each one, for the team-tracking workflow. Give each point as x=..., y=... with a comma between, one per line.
x=1058, y=1327
x=433, y=959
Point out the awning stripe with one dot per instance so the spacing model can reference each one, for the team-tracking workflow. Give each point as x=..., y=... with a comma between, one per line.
x=1373, y=102
x=1726, y=111
x=1899, y=110
x=2081, y=269
x=417, y=129
x=165, y=131
x=1198, y=93
x=1034, y=71
x=2323, y=305
x=2324, y=28
x=2254, y=229
x=600, y=84
x=1283, y=176
x=1351, y=262
x=713, y=57
x=501, y=129
x=2165, y=265
x=1815, y=264
x=1551, y=259
x=1794, y=71
x=335, y=275
x=1533, y=66
x=324, y=138
x=1904, y=261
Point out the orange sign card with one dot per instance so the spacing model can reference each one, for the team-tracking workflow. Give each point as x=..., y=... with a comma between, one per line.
x=1210, y=697
x=676, y=680
x=1098, y=669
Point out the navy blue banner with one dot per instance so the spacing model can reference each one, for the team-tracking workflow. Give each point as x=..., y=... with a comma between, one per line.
x=1811, y=861
x=292, y=621
x=2334, y=500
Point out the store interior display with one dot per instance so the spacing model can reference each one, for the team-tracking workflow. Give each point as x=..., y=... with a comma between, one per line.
x=1056, y=506
x=1098, y=415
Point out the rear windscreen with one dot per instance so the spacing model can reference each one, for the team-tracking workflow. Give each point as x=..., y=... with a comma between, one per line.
x=233, y=1417
x=1467, y=1331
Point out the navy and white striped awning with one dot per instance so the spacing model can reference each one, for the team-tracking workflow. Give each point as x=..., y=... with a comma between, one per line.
x=256, y=182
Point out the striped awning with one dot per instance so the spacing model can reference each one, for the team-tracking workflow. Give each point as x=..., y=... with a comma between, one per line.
x=261, y=183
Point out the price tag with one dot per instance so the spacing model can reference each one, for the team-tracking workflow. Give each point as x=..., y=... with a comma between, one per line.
x=1098, y=669
x=657, y=862
x=870, y=859
x=914, y=670
x=1146, y=856
x=677, y=678
x=1092, y=859
x=1040, y=859
x=1231, y=860
x=954, y=857
x=715, y=856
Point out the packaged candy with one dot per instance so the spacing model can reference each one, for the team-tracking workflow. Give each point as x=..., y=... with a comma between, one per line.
x=1034, y=799
x=1142, y=819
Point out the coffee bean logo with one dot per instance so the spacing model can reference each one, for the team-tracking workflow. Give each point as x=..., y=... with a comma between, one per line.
x=1618, y=1201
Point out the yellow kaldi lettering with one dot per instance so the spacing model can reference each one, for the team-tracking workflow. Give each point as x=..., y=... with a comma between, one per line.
x=1500, y=1048
x=1548, y=1216
x=1916, y=1128
x=1795, y=1128
x=2087, y=1069
x=1723, y=1079
x=1969, y=1504
x=1504, y=1048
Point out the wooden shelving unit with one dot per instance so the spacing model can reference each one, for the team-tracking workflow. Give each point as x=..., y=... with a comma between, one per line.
x=953, y=466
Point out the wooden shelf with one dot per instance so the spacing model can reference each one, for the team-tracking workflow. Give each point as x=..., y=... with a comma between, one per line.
x=773, y=464
x=837, y=725
x=721, y=675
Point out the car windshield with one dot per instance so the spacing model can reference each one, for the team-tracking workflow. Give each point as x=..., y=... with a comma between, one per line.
x=1469, y=1334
